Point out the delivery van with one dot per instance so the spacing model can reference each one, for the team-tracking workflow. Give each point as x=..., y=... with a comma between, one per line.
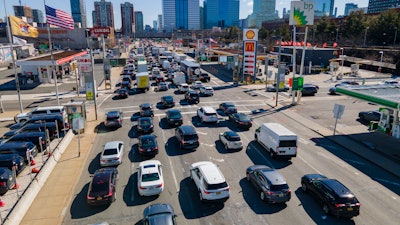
x=277, y=140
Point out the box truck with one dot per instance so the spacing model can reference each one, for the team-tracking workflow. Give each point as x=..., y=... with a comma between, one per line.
x=277, y=140
x=142, y=66
x=179, y=78
x=142, y=82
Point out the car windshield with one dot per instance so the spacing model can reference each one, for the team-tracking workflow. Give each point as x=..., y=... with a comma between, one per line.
x=146, y=107
x=189, y=137
x=148, y=142
x=110, y=151
x=100, y=183
x=279, y=187
x=229, y=105
x=168, y=98
x=233, y=138
x=161, y=218
x=216, y=186
x=112, y=116
x=150, y=177
x=243, y=117
x=145, y=122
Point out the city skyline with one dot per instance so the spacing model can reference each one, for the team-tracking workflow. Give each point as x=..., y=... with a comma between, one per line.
x=151, y=11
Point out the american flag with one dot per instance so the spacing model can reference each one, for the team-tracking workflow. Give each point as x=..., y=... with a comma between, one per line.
x=59, y=18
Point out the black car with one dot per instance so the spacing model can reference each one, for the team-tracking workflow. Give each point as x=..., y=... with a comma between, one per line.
x=167, y=101
x=174, y=117
x=145, y=125
x=103, y=186
x=126, y=82
x=228, y=107
x=336, y=199
x=7, y=180
x=309, y=90
x=192, y=96
x=39, y=127
x=187, y=137
x=62, y=124
x=159, y=214
x=113, y=119
x=241, y=120
x=204, y=77
x=20, y=148
x=148, y=144
x=146, y=109
x=162, y=86
x=38, y=138
x=369, y=116
x=269, y=183
x=122, y=93
x=11, y=161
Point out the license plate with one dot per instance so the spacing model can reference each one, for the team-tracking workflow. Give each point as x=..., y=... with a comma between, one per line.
x=148, y=150
x=280, y=195
x=218, y=192
x=99, y=198
x=349, y=209
x=151, y=188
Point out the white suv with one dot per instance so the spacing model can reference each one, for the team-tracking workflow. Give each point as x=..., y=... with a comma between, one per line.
x=183, y=88
x=207, y=114
x=209, y=181
x=207, y=91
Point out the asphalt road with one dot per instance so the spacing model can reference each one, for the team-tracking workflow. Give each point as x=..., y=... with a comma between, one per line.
x=377, y=190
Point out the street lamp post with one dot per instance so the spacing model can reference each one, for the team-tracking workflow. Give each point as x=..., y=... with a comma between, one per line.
x=365, y=35
x=337, y=32
x=395, y=36
x=380, y=64
x=342, y=51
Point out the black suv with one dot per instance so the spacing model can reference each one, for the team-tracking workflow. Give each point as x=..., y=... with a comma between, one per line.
x=187, y=137
x=19, y=148
x=204, y=77
x=38, y=138
x=192, y=97
x=336, y=198
x=146, y=109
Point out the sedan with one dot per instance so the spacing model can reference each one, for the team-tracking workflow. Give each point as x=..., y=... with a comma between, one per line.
x=272, y=88
x=369, y=116
x=7, y=180
x=231, y=140
x=174, y=117
x=269, y=183
x=167, y=101
x=228, y=107
x=145, y=125
x=309, y=89
x=112, y=153
x=113, y=119
x=148, y=145
x=241, y=120
x=162, y=86
x=150, y=178
x=159, y=214
x=102, y=187
x=122, y=93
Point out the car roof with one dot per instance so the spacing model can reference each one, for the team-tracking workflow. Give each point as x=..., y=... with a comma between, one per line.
x=338, y=188
x=113, y=113
x=147, y=136
x=158, y=209
x=229, y=103
x=112, y=144
x=188, y=129
x=209, y=109
x=150, y=165
x=211, y=172
x=145, y=105
x=274, y=176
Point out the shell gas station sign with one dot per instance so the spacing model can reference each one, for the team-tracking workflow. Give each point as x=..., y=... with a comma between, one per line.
x=250, y=38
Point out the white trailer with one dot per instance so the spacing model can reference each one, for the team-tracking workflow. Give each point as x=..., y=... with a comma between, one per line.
x=277, y=139
x=179, y=78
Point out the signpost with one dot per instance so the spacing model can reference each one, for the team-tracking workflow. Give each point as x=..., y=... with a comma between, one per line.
x=338, y=110
x=250, y=39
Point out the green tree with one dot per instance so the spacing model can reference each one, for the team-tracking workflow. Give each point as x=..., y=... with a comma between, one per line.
x=383, y=28
x=354, y=27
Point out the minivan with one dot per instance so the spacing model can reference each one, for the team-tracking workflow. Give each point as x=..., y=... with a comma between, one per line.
x=210, y=181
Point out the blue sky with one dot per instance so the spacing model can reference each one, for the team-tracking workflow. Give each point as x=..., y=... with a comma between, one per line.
x=150, y=8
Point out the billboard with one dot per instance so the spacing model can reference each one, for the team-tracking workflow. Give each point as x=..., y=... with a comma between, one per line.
x=250, y=38
x=301, y=13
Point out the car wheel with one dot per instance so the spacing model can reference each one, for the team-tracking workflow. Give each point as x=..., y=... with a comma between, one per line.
x=271, y=153
x=262, y=196
x=226, y=147
x=325, y=208
x=303, y=187
x=201, y=196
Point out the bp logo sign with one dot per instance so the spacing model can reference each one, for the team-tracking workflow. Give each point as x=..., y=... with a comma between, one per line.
x=301, y=13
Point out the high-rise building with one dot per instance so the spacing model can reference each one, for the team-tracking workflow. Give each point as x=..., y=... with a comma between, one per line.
x=103, y=14
x=160, y=23
x=139, y=22
x=23, y=11
x=324, y=7
x=348, y=7
x=155, y=27
x=78, y=12
x=263, y=10
x=127, y=19
x=181, y=14
x=221, y=13
x=168, y=12
x=37, y=16
x=376, y=6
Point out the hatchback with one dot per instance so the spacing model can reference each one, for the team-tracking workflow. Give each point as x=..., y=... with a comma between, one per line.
x=309, y=89
x=167, y=101
x=174, y=117
x=206, y=91
x=103, y=186
x=146, y=109
x=145, y=125
x=112, y=153
x=150, y=178
x=192, y=97
x=231, y=140
x=162, y=86
x=122, y=93
x=113, y=119
x=159, y=214
x=148, y=144
x=269, y=183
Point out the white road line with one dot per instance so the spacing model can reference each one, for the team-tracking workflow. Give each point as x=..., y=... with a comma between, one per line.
x=104, y=100
x=132, y=172
x=215, y=159
x=203, y=133
x=307, y=163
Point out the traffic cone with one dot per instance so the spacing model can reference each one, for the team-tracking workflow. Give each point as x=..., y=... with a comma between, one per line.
x=16, y=186
x=2, y=203
x=33, y=162
x=35, y=170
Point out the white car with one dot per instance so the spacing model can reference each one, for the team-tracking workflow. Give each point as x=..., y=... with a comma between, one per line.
x=112, y=153
x=150, y=178
x=207, y=91
x=231, y=140
x=183, y=88
x=197, y=85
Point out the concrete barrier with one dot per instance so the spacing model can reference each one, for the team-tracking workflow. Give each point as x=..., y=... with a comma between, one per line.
x=19, y=210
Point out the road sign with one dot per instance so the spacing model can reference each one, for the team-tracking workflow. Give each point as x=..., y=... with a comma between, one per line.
x=301, y=13
x=338, y=110
x=84, y=63
x=98, y=31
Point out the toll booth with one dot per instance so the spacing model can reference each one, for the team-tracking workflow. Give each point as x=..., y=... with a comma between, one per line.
x=76, y=109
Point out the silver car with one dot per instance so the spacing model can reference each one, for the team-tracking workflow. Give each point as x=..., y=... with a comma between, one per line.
x=112, y=153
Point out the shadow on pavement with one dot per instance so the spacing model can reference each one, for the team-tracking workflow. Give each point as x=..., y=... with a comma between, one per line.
x=131, y=195
x=254, y=150
x=80, y=208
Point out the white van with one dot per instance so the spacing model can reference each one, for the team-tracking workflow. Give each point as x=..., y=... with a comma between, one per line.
x=277, y=139
x=210, y=181
x=23, y=117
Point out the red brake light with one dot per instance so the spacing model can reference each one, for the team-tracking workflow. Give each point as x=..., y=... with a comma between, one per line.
x=206, y=192
x=142, y=188
x=109, y=194
x=2, y=183
x=116, y=158
x=182, y=142
x=160, y=185
x=339, y=205
x=90, y=198
x=358, y=204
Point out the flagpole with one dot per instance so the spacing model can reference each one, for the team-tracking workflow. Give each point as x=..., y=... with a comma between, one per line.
x=52, y=58
x=13, y=59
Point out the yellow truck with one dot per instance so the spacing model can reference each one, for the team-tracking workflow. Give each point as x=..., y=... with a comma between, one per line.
x=142, y=82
